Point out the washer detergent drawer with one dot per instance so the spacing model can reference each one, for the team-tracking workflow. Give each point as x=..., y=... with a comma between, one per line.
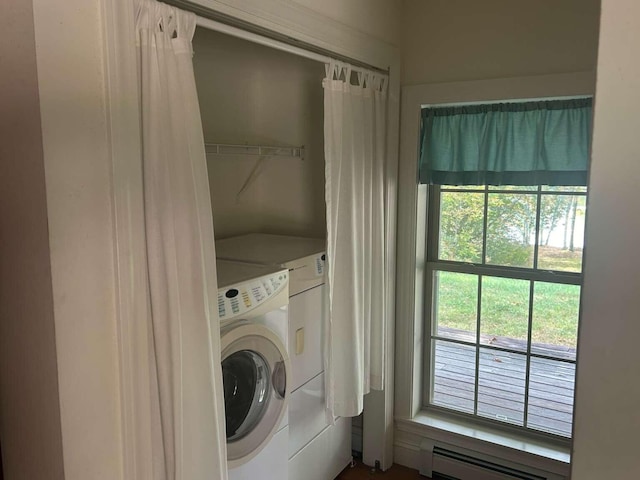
x=307, y=416
x=307, y=313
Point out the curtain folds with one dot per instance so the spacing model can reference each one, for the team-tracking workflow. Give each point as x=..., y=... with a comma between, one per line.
x=530, y=143
x=187, y=429
x=355, y=143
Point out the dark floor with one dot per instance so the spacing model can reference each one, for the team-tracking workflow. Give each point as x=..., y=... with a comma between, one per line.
x=362, y=472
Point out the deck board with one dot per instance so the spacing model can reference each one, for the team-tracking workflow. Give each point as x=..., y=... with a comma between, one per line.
x=501, y=384
x=518, y=344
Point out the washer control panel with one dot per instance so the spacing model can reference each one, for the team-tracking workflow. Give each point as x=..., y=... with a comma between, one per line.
x=244, y=297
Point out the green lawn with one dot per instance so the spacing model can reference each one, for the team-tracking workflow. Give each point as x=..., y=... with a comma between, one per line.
x=505, y=306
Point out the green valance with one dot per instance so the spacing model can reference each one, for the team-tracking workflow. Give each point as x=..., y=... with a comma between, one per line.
x=528, y=143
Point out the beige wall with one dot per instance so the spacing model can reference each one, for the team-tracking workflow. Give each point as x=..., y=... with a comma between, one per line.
x=378, y=18
x=455, y=40
x=607, y=424
x=250, y=94
x=69, y=54
x=30, y=431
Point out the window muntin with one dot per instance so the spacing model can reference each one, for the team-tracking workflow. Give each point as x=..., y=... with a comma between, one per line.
x=486, y=264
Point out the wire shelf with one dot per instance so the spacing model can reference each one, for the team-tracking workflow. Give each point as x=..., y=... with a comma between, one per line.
x=257, y=150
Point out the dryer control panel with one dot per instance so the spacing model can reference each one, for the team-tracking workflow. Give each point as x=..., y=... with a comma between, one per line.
x=242, y=298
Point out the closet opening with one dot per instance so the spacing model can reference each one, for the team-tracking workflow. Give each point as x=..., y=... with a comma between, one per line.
x=262, y=107
x=262, y=110
x=262, y=120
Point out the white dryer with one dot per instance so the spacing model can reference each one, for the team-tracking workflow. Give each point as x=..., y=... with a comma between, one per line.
x=253, y=311
x=312, y=439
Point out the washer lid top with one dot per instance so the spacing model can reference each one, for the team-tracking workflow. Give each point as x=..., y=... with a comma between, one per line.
x=267, y=249
x=232, y=274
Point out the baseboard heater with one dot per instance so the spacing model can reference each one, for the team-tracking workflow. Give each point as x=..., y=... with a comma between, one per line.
x=446, y=462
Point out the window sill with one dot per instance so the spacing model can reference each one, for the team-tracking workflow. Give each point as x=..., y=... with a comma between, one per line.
x=512, y=447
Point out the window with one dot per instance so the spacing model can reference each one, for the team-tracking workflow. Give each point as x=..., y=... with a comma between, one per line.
x=505, y=216
x=504, y=273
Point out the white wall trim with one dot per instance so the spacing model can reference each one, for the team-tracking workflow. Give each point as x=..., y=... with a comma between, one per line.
x=378, y=418
x=607, y=385
x=407, y=454
x=411, y=436
x=306, y=25
x=283, y=17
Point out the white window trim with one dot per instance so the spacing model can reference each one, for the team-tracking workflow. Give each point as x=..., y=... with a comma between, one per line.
x=507, y=447
x=409, y=307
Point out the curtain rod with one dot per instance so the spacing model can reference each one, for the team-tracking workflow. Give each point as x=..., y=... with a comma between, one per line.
x=208, y=18
x=512, y=100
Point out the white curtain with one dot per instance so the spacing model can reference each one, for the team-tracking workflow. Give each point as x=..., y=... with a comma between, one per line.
x=187, y=433
x=355, y=139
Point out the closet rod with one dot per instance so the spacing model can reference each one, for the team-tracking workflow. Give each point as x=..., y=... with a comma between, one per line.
x=259, y=39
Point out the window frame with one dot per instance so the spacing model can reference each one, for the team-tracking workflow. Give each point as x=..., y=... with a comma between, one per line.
x=530, y=274
x=413, y=424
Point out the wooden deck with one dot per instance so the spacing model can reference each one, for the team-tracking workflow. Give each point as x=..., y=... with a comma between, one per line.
x=501, y=384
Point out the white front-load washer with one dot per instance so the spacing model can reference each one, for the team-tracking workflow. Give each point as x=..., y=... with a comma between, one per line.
x=256, y=370
x=312, y=439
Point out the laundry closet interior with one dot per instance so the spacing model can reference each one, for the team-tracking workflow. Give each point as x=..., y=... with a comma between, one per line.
x=262, y=116
x=255, y=95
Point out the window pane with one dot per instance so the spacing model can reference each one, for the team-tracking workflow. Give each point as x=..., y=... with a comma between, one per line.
x=504, y=317
x=455, y=305
x=494, y=372
x=462, y=187
x=561, y=232
x=501, y=384
x=551, y=387
x=461, y=225
x=453, y=375
x=529, y=188
x=549, y=188
x=554, y=330
x=511, y=229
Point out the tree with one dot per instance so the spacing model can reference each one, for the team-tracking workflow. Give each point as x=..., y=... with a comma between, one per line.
x=461, y=226
x=553, y=209
x=510, y=227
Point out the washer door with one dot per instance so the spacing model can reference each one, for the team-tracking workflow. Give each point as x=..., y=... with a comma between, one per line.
x=255, y=371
